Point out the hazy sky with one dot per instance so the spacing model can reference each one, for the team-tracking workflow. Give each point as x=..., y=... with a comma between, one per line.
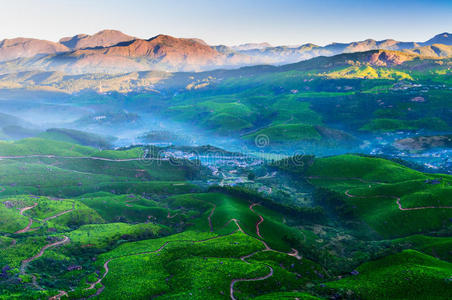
x=230, y=21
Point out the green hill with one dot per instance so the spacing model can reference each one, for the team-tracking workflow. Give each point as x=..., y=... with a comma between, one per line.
x=407, y=275
x=392, y=199
x=77, y=137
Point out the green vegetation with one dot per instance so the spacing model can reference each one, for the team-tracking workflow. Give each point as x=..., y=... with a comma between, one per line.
x=397, y=125
x=100, y=236
x=392, y=199
x=407, y=275
x=76, y=137
x=434, y=246
x=80, y=218
x=368, y=72
x=129, y=208
x=38, y=146
x=284, y=133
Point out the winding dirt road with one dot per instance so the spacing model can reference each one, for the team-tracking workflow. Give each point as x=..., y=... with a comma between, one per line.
x=58, y=297
x=83, y=157
x=169, y=216
x=244, y=258
x=25, y=262
x=345, y=178
x=30, y=220
x=399, y=205
x=106, y=268
x=41, y=253
x=238, y=225
x=261, y=219
x=209, y=218
x=93, y=285
x=23, y=210
x=58, y=215
x=294, y=253
x=234, y=281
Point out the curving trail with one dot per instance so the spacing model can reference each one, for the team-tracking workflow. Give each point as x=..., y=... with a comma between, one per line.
x=93, y=285
x=41, y=253
x=58, y=297
x=27, y=228
x=169, y=216
x=23, y=210
x=344, y=178
x=25, y=262
x=107, y=270
x=58, y=215
x=417, y=208
x=399, y=205
x=82, y=157
x=238, y=225
x=234, y=281
x=295, y=254
x=30, y=221
x=209, y=218
x=229, y=222
x=245, y=257
x=261, y=219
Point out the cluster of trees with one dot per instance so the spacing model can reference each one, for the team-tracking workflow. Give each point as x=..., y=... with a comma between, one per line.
x=297, y=164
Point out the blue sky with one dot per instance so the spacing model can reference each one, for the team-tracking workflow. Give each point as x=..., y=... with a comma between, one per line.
x=230, y=22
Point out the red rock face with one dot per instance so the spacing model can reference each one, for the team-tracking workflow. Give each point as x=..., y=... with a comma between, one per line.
x=388, y=58
x=23, y=47
x=165, y=50
x=104, y=38
x=111, y=51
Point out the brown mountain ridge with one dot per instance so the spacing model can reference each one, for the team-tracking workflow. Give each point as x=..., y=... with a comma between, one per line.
x=111, y=51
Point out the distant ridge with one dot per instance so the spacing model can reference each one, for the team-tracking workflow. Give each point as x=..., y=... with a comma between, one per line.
x=373, y=64
x=104, y=38
x=250, y=46
x=26, y=47
x=442, y=38
x=113, y=52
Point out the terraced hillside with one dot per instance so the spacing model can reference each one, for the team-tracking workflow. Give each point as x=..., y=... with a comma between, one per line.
x=116, y=235
x=392, y=199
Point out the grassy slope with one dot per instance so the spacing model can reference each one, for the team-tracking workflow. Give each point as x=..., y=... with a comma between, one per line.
x=373, y=186
x=287, y=132
x=406, y=275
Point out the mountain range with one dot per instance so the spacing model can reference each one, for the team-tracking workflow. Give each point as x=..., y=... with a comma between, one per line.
x=373, y=64
x=112, y=52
